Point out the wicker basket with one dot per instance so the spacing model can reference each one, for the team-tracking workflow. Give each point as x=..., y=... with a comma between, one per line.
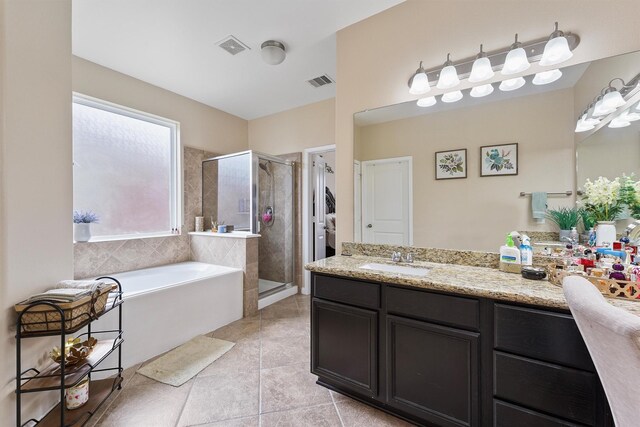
x=622, y=289
x=44, y=318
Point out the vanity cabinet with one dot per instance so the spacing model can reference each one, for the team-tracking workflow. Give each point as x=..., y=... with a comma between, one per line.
x=439, y=359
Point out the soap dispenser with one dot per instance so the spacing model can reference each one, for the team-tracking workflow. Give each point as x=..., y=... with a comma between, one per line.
x=510, y=257
x=526, y=251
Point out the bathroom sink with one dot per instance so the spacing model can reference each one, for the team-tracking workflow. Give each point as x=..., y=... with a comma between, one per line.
x=400, y=269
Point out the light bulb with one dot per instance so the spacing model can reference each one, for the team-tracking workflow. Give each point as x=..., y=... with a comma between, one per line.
x=546, y=77
x=480, y=91
x=556, y=50
x=516, y=60
x=619, y=122
x=426, y=102
x=481, y=69
x=512, y=84
x=452, y=96
x=419, y=82
x=612, y=100
x=448, y=76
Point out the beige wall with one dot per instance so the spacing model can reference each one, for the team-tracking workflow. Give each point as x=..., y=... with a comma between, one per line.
x=36, y=174
x=294, y=130
x=201, y=126
x=476, y=212
x=375, y=57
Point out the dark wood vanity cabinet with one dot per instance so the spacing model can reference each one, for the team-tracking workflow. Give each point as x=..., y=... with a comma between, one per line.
x=439, y=359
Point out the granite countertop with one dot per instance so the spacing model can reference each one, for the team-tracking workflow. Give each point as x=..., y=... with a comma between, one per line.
x=460, y=279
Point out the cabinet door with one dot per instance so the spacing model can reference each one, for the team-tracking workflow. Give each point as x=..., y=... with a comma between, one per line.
x=433, y=372
x=344, y=345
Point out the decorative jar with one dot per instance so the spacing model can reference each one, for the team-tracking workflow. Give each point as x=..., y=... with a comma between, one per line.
x=78, y=395
x=605, y=233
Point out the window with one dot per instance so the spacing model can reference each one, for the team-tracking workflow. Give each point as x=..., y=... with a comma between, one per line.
x=126, y=169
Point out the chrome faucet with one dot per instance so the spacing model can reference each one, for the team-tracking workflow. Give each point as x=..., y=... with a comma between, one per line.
x=409, y=257
x=396, y=256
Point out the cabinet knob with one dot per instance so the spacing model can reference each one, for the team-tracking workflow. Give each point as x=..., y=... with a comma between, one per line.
x=369, y=226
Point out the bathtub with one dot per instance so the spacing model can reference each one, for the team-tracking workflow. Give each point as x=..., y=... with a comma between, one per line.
x=168, y=305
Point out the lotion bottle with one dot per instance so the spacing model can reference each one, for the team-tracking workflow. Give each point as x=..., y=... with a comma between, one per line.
x=526, y=252
x=510, y=257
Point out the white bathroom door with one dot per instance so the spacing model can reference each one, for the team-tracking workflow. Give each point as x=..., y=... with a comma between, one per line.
x=320, y=226
x=387, y=201
x=357, y=201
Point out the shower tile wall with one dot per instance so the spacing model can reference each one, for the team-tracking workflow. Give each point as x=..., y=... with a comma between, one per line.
x=96, y=258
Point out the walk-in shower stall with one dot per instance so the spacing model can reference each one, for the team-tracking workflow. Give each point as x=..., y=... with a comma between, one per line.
x=254, y=192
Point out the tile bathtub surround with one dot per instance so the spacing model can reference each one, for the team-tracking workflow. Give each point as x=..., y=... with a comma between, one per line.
x=248, y=386
x=93, y=259
x=229, y=251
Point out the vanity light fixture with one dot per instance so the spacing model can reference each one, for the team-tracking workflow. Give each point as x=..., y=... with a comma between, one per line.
x=516, y=61
x=612, y=98
x=583, y=126
x=448, y=76
x=631, y=116
x=600, y=109
x=637, y=106
x=427, y=102
x=480, y=91
x=512, y=84
x=419, y=82
x=556, y=50
x=619, y=122
x=450, y=97
x=481, y=69
x=546, y=77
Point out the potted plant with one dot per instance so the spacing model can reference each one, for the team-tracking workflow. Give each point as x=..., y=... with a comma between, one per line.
x=82, y=225
x=604, y=202
x=587, y=224
x=565, y=219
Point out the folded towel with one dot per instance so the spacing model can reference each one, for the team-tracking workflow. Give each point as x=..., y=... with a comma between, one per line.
x=539, y=206
x=92, y=285
x=60, y=295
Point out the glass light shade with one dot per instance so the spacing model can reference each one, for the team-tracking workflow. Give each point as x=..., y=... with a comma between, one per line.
x=516, y=62
x=448, y=78
x=612, y=100
x=619, y=122
x=480, y=91
x=601, y=110
x=638, y=106
x=582, y=126
x=512, y=84
x=419, y=84
x=589, y=120
x=481, y=70
x=555, y=52
x=452, y=96
x=426, y=102
x=546, y=77
x=631, y=116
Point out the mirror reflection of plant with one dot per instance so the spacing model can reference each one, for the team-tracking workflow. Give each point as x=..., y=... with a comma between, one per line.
x=587, y=220
x=603, y=199
x=564, y=218
x=85, y=217
x=630, y=194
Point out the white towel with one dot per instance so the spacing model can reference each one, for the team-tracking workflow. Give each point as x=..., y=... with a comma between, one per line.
x=91, y=285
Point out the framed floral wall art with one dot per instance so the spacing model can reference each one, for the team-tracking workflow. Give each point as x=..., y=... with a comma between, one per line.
x=451, y=164
x=499, y=160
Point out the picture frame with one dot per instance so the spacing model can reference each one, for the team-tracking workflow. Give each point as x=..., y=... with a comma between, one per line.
x=451, y=164
x=499, y=160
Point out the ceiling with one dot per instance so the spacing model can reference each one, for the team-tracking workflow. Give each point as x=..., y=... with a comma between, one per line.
x=172, y=44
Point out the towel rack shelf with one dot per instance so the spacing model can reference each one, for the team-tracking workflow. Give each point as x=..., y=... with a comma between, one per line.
x=564, y=193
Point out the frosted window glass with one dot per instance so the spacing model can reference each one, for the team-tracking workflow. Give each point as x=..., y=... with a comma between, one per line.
x=234, y=191
x=122, y=171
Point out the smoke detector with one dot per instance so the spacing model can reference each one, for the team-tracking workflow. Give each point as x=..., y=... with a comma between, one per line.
x=232, y=45
x=273, y=52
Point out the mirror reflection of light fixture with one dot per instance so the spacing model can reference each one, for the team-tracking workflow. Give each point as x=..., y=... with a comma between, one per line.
x=600, y=109
x=512, y=84
x=419, y=82
x=273, y=52
x=583, y=126
x=481, y=69
x=448, y=76
x=556, y=50
x=427, y=102
x=632, y=116
x=612, y=99
x=516, y=61
x=480, y=91
x=546, y=77
x=638, y=106
x=619, y=122
x=454, y=96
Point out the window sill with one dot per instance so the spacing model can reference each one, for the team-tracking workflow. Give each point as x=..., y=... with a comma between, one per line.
x=128, y=237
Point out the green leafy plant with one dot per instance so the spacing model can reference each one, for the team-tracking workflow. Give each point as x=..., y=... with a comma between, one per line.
x=603, y=199
x=630, y=195
x=564, y=218
x=587, y=220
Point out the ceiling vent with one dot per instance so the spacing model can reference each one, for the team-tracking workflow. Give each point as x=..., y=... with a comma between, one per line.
x=232, y=45
x=320, y=81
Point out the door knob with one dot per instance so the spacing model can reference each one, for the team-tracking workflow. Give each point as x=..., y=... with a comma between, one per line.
x=369, y=226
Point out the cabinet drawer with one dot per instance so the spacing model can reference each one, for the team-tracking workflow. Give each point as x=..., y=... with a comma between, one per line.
x=545, y=335
x=348, y=291
x=563, y=392
x=508, y=415
x=447, y=309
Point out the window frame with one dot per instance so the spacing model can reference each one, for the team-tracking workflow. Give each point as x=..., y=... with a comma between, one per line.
x=176, y=193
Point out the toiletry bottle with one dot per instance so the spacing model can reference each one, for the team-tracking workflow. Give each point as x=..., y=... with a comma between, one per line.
x=510, y=257
x=573, y=235
x=526, y=252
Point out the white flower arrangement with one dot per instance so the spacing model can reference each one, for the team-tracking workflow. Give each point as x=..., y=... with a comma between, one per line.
x=602, y=198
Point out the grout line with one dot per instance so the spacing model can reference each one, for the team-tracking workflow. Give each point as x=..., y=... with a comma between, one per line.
x=185, y=400
x=336, y=407
x=260, y=371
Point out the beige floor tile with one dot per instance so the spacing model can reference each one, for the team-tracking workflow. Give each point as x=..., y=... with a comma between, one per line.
x=127, y=375
x=287, y=327
x=146, y=403
x=286, y=308
x=356, y=414
x=238, y=422
x=315, y=416
x=290, y=387
x=285, y=351
x=244, y=356
x=240, y=330
x=337, y=397
x=222, y=397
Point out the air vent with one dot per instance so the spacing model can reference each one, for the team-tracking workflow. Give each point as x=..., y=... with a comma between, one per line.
x=320, y=81
x=232, y=45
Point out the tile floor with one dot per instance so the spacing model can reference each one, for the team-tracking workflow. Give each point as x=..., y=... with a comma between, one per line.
x=263, y=381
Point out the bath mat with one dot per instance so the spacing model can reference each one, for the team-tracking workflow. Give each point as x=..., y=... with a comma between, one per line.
x=184, y=362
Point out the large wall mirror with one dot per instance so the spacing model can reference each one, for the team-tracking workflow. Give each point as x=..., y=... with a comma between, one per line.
x=451, y=175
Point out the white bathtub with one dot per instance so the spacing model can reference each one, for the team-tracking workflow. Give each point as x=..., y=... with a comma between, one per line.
x=168, y=305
